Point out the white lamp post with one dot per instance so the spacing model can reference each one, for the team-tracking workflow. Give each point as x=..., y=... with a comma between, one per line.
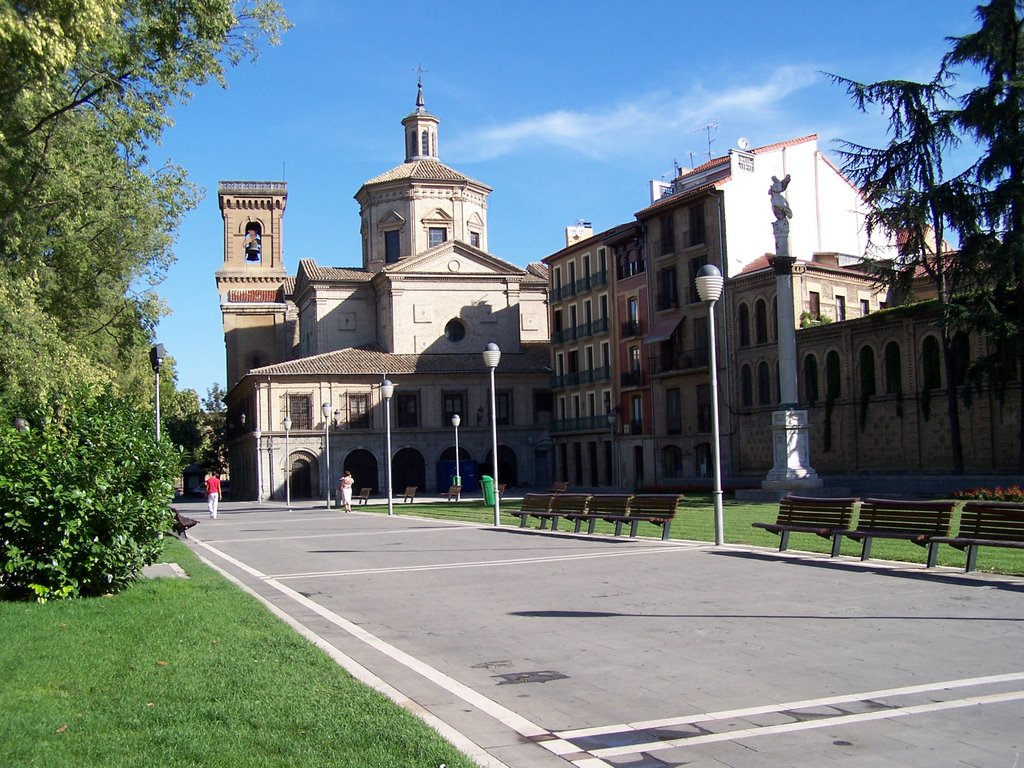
x=256, y=434
x=287, y=463
x=492, y=355
x=387, y=389
x=456, y=420
x=326, y=409
x=709, y=288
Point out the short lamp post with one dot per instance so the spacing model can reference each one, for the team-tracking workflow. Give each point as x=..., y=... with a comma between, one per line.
x=613, y=473
x=157, y=353
x=492, y=356
x=287, y=462
x=387, y=389
x=709, y=288
x=456, y=420
x=256, y=434
x=326, y=410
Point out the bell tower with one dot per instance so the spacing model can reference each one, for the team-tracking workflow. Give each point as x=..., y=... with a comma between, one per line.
x=251, y=281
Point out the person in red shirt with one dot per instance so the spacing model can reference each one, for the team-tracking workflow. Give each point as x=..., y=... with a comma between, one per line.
x=212, y=495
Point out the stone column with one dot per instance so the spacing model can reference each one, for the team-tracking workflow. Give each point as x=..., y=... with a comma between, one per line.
x=791, y=470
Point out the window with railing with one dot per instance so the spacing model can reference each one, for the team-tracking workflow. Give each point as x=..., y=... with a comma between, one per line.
x=300, y=410
x=359, y=411
x=407, y=410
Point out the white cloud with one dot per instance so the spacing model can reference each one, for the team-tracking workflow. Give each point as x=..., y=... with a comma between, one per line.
x=622, y=128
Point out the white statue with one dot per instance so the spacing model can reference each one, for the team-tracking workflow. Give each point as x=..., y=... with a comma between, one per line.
x=780, y=206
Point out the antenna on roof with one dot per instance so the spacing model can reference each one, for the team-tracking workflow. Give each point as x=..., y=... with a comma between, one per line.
x=712, y=125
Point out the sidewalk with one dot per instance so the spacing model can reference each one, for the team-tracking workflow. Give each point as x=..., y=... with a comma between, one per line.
x=533, y=650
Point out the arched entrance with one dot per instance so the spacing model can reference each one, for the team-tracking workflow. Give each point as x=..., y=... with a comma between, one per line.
x=363, y=466
x=305, y=476
x=409, y=468
x=508, y=466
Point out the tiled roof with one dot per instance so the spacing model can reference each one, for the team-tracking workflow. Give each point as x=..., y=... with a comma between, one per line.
x=422, y=170
x=682, y=197
x=314, y=271
x=787, y=143
x=372, y=359
x=254, y=296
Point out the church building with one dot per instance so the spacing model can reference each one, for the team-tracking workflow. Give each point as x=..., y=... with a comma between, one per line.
x=307, y=353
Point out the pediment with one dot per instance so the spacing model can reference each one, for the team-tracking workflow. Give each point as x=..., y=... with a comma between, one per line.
x=454, y=258
x=390, y=219
x=438, y=215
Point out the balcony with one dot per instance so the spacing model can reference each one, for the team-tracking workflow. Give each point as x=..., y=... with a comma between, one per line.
x=633, y=378
x=581, y=424
x=590, y=376
x=666, y=300
x=687, y=360
x=630, y=328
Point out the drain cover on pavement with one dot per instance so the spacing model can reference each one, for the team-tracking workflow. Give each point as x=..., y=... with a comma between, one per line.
x=541, y=676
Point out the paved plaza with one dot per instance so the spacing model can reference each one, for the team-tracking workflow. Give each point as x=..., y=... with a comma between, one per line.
x=539, y=650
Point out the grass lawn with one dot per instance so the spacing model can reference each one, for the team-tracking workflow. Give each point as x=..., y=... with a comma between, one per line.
x=189, y=672
x=695, y=522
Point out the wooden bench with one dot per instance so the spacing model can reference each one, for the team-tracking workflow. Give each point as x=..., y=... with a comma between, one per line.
x=920, y=522
x=364, y=495
x=657, y=508
x=566, y=504
x=808, y=514
x=613, y=508
x=534, y=505
x=410, y=493
x=987, y=524
x=454, y=491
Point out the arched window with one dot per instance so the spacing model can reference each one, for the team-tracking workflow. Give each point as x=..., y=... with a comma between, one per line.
x=867, y=371
x=764, y=384
x=893, y=369
x=810, y=379
x=253, y=242
x=746, y=386
x=930, y=368
x=425, y=143
x=412, y=143
x=962, y=355
x=760, y=322
x=775, y=318
x=744, y=321
x=833, y=376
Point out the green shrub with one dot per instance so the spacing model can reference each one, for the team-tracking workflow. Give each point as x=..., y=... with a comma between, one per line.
x=84, y=498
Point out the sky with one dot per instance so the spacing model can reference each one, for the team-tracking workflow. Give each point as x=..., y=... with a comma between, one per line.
x=567, y=109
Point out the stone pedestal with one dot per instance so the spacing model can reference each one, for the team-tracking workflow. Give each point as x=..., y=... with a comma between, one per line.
x=792, y=469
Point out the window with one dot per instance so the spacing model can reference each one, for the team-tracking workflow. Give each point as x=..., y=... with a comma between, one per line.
x=503, y=402
x=425, y=143
x=392, y=244
x=634, y=359
x=760, y=322
x=833, y=376
x=455, y=330
x=253, y=242
x=865, y=307
x=556, y=321
x=673, y=411
x=893, y=369
x=299, y=410
x=744, y=322
x=474, y=239
x=764, y=384
x=695, y=265
x=358, y=411
x=867, y=371
x=811, y=379
x=930, y=362
x=696, y=234
x=814, y=304
x=453, y=403
x=668, y=295
x=840, y=308
x=636, y=408
x=746, y=387
x=668, y=234
x=672, y=461
x=407, y=410
x=603, y=305
x=703, y=407
x=436, y=236
x=572, y=273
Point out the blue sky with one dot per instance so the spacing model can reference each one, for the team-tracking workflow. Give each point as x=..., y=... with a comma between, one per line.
x=566, y=108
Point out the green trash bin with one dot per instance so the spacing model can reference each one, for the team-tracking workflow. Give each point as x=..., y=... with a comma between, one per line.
x=487, y=484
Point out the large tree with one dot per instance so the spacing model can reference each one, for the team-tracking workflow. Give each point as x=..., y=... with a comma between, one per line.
x=993, y=114
x=911, y=198
x=86, y=222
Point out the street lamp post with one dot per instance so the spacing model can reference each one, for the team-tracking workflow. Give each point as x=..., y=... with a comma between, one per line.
x=387, y=389
x=256, y=434
x=157, y=353
x=287, y=463
x=456, y=420
x=492, y=356
x=326, y=409
x=709, y=288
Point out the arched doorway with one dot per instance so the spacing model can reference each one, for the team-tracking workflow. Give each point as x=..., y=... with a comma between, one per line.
x=409, y=468
x=305, y=476
x=508, y=466
x=363, y=466
x=446, y=466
